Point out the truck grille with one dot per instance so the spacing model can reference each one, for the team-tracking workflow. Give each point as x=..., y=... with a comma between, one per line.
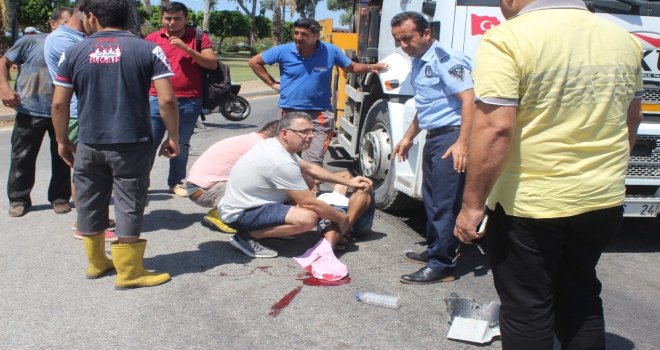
x=651, y=96
x=645, y=158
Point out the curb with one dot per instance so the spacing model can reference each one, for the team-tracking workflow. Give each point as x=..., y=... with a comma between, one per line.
x=7, y=118
x=258, y=93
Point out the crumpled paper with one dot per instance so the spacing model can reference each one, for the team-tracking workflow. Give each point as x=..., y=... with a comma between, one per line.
x=322, y=263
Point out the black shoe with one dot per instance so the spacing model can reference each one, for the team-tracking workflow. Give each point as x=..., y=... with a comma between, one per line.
x=426, y=275
x=420, y=258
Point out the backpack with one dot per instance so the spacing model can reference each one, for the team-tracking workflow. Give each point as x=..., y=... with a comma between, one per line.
x=215, y=83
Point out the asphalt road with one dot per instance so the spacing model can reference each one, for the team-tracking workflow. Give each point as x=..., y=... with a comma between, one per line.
x=219, y=298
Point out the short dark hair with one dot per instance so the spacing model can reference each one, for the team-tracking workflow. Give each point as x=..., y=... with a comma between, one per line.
x=289, y=117
x=110, y=13
x=308, y=23
x=57, y=14
x=174, y=6
x=76, y=6
x=421, y=24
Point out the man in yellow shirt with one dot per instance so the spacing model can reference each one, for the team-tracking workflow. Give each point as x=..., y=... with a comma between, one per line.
x=558, y=104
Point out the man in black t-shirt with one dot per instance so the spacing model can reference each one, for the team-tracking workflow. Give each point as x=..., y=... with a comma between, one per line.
x=110, y=73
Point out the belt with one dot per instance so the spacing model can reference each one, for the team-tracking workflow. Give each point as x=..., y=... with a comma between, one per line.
x=196, y=193
x=442, y=130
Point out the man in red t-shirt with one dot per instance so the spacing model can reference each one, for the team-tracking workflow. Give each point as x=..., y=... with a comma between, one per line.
x=186, y=60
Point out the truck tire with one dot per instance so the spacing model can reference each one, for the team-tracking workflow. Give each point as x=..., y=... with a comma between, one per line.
x=375, y=154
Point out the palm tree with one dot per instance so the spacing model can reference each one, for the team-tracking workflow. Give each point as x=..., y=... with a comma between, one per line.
x=4, y=24
x=278, y=18
x=146, y=4
x=206, y=22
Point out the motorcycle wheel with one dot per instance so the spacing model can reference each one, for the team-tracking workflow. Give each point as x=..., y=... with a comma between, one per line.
x=236, y=109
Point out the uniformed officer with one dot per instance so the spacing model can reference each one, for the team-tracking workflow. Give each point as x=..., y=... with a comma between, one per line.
x=444, y=98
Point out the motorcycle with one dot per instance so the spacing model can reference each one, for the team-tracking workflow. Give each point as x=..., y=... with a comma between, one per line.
x=235, y=108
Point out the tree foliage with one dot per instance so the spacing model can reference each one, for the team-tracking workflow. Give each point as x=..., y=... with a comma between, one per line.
x=339, y=5
x=263, y=25
x=306, y=8
x=36, y=13
x=229, y=23
x=249, y=7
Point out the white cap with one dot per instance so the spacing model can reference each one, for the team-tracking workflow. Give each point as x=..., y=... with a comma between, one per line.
x=31, y=30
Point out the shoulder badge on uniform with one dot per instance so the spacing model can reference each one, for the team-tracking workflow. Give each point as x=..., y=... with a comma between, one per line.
x=457, y=72
x=428, y=72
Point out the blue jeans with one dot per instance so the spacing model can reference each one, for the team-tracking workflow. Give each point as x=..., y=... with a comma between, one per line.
x=442, y=189
x=189, y=110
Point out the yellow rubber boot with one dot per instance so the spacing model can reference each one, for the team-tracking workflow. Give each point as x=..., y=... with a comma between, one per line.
x=99, y=263
x=213, y=218
x=130, y=270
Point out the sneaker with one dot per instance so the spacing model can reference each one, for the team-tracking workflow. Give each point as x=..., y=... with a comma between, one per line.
x=420, y=258
x=250, y=247
x=179, y=190
x=109, y=236
x=61, y=206
x=17, y=209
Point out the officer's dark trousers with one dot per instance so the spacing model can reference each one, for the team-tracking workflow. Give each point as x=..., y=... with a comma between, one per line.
x=442, y=189
x=26, y=141
x=545, y=275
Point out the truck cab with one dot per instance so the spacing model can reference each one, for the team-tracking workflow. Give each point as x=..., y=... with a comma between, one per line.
x=374, y=111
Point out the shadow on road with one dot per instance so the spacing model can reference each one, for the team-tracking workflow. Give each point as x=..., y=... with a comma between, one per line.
x=641, y=235
x=209, y=255
x=172, y=220
x=231, y=126
x=618, y=342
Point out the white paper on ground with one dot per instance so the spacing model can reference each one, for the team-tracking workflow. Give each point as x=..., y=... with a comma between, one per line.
x=469, y=329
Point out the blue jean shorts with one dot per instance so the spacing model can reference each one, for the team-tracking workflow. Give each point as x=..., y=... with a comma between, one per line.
x=268, y=215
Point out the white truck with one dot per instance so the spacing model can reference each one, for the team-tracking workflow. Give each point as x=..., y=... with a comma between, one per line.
x=373, y=111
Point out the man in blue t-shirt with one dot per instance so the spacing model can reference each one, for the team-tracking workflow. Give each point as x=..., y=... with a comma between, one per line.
x=111, y=72
x=306, y=73
x=31, y=99
x=56, y=42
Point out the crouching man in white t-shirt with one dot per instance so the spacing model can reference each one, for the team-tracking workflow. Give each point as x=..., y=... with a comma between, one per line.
x=268, y=178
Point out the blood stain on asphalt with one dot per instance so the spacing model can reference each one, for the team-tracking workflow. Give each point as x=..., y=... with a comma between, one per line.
x=284, y=302
x=313, y=281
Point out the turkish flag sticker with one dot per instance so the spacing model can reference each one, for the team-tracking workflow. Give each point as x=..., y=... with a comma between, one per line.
x=481, y=24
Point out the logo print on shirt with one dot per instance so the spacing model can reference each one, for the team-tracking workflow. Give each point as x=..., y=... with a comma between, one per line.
x=105, y=55
x=457, y=72
x=160, y=54
x=320, y=69
x=428, y=72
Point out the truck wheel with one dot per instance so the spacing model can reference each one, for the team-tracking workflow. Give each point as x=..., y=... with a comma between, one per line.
x=374, y=158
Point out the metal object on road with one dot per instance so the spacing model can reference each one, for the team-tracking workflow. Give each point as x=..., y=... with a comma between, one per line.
x=471, y=321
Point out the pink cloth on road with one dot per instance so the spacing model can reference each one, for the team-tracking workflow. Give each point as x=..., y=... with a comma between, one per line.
x=322, y=263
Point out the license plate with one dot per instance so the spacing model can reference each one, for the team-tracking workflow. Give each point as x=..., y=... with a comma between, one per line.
x=640, y=209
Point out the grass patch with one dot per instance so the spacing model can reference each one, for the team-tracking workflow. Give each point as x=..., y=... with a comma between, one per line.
x=240, y=71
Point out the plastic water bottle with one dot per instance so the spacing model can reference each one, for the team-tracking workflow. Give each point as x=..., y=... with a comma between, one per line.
x=377, y=299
